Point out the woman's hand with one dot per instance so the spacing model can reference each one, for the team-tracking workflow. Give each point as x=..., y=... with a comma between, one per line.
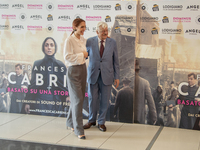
x=85, y=54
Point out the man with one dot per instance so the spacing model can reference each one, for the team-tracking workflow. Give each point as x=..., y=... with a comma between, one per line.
x=4, y=83
x=3, y=97
x=103, y=68
x=171, y=98
x=16, y=105
x=173, y=115
x=142, y=93
x=158, y=97
x=197, y=123
x=174, y=92
x=124, y=102
x=187, y=112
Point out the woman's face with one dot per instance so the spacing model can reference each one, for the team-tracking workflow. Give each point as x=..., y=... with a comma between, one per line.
x=81, y=28
x=49, y=47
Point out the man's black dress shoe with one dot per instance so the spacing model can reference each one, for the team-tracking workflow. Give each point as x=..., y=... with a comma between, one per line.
x=89, y=124
x=102, y=127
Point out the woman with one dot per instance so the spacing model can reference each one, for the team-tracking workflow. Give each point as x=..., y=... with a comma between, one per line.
x=75, y=54
x=47, y=79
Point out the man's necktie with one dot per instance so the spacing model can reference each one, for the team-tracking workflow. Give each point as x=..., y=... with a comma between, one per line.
x=101, y=48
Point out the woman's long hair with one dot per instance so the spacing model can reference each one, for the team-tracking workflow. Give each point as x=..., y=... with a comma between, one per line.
x=76, y=23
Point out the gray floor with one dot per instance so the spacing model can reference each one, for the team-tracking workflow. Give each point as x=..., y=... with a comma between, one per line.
x=119, y=136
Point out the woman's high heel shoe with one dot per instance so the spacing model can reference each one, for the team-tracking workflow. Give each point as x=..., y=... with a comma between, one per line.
x=72, y=129
x=81, y=137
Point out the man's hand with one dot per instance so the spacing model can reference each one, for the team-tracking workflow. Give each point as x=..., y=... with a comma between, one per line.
x=116, y=83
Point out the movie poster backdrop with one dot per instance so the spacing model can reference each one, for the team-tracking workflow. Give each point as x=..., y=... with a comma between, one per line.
x=164, y=40
x=167, y=48
x=33, y=81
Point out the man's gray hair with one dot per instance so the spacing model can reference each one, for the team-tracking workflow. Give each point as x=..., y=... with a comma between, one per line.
x=102, y=24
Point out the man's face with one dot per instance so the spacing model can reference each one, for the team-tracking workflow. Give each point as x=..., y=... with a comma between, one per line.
x=191, y=80
x=18, y=70
x=159, y=89
x=102, y=33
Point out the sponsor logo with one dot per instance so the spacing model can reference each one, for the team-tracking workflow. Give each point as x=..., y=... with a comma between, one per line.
x=77, y=16
x=65, y=7
x=171, y=31
x=143, y=30
x=35, y=28
x=129, y=30
x=165, y=19
x=49, y=6
x=61, y=28
x=197, y=19
x=17, y=6
x=94, y=29
x=108, y=18
x=149, y=19
x=34, y=6
x=22, y=17
x=192, y=31
x=93, y=18
x=87, y=29
x=17, y=27
x=172, y=7
x=193, y=7
x=49, y=28
x=101, y=7
x=117, y=29
x=144, y=7
x=4, y=6
x=64, y=18
x=4, y=27
x=3, y=16
x=129, y=7
x=50, y=17
x=118, y=7
x=36, y=17
x=83, y=7
x=155, y=7
x=154, y=30
x=124, y=17
x=181, y=19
